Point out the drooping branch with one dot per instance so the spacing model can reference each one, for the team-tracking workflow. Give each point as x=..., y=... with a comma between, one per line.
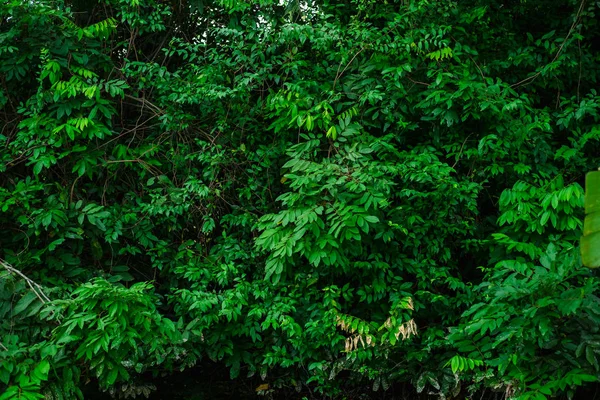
x=35, y=287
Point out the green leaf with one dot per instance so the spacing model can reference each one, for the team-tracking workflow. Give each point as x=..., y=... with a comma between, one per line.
x=112, y=376
x=454, y=364
x=48, y=350
x=591, y=356
x=24, y=302
x=371, y=218
x=590, y=241
x=41, y=371
x=4, y=376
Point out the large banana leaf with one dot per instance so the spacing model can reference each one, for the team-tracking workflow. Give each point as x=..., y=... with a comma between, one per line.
x=590, y=241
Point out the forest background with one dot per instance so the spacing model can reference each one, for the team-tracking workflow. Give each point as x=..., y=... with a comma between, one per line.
x=333, y=197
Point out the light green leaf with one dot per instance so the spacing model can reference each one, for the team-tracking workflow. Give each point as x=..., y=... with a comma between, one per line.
x=41, y=371
x=590, y=241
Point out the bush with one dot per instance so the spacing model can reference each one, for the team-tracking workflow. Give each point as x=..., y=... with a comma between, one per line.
x=321, y=194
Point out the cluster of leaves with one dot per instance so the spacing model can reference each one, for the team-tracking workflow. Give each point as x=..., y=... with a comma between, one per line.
x=324, y=194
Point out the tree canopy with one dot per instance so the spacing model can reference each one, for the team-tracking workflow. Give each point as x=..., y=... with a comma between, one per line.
x=321, y=194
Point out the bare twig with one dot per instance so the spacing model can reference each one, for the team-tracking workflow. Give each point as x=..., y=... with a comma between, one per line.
x=35, y=288
x=339, y=74
x=145, y=103
x=461, y=150
x=558, y=53
x=480, y=71
x=579, y=78
x=417, y=82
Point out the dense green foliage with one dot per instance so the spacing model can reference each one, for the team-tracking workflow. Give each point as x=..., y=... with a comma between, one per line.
x=327, y=195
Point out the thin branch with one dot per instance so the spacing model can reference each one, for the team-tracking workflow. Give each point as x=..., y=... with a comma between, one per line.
x=477, y=65
x=558, y=53
x=35, y=288
x=417, y=82
x=339, y=74
x=579, y=78
x=461, y=150
x=156, y=109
